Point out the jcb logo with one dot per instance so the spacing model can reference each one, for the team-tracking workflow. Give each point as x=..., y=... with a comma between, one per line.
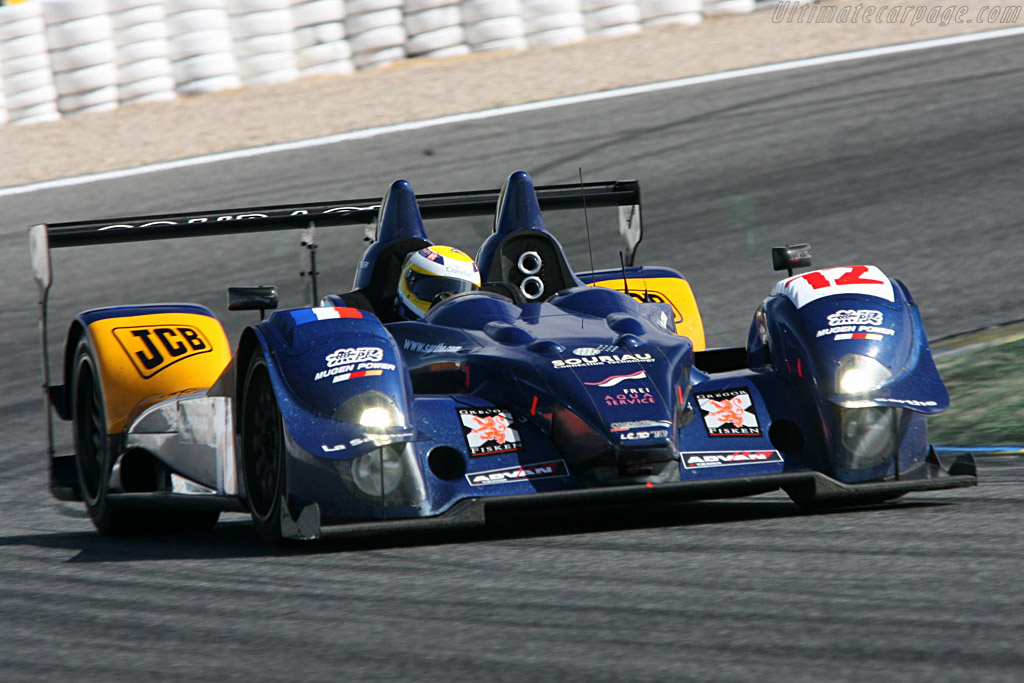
x=156, y=348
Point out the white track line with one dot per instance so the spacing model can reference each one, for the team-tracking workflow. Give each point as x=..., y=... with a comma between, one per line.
x=516, y=109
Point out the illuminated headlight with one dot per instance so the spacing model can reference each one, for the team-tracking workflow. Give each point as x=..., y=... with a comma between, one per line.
x=859, y=374
x=372, y=410
x=379, y=472
x=377, y=417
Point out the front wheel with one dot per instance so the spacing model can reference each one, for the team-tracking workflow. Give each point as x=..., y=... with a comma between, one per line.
x=263, y=457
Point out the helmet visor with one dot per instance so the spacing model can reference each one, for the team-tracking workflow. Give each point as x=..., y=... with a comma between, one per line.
x=425, y=287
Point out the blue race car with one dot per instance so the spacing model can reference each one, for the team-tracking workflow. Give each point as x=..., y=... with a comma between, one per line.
x=532, y=386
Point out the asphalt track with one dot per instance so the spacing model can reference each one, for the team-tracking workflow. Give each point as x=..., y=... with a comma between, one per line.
x=910, y=162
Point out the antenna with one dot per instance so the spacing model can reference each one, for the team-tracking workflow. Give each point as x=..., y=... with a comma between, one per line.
x=625, y=282
x=586, y=221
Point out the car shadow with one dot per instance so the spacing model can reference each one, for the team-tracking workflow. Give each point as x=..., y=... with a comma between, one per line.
x=234, y=537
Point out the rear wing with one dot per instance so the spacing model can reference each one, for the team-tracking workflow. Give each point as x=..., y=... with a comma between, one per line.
x=624, y=194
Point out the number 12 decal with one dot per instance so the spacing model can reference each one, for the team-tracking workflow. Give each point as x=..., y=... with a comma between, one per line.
x=807, y=287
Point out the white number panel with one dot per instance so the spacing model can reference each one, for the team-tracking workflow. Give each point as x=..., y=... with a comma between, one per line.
x=807, y=287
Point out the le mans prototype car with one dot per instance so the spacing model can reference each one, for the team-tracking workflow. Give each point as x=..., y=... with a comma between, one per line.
x=545, y=387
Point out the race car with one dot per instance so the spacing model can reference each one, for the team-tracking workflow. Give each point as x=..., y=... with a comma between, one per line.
x=541, y=387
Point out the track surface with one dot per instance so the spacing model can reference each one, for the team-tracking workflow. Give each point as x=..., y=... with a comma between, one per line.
x=911, y=163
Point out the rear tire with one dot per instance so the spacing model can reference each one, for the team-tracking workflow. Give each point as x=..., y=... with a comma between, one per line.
x=93, y=457
x=263, y=452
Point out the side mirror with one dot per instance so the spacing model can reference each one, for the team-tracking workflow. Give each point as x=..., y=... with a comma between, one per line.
x=39, y=254
x=791, y=256
x=262, y=298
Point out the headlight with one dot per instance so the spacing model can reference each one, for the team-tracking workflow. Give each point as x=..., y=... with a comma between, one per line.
x=386, y=476
x=859, y=374
x=376, y=417
x=379, y=472
x=372, y=410
x=868, y=436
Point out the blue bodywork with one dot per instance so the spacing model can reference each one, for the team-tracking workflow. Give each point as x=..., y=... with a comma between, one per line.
x=582, y=387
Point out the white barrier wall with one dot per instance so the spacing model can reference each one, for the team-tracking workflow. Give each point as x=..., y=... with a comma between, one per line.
x=62, y=57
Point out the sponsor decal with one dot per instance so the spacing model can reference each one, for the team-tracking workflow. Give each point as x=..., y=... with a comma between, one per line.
x=630, y=397
x=506, y=475
x=431, y=255
x=907, y=402
x=489, y=431
x=360, y=353
x=859, y=335
x=700, y=459
x=425, y=347
x=351, y=363
x=614, y=380
x=861, y=316
x=728, y=413
x=610, y=359
x=238, y=217
x=311, y=315
x=644, y=434
x=857, y=332
x=638, y=424
x=594, y=350
x=154, y=348
x=375, y=439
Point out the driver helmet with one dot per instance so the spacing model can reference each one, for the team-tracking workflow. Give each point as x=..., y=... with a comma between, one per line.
x=434, y=271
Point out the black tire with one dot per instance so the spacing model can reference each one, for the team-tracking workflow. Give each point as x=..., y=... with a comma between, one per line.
x=93, y=456
x=94, y=460
x=263, y=450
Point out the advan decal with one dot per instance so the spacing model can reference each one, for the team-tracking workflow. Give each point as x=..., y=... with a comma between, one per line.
x=701, y=459
x=728, y=413
x=508, y=475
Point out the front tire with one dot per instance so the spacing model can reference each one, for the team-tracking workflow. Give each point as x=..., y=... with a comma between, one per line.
x=263, y=451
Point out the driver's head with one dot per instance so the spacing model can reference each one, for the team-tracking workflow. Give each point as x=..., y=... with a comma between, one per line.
x=434, y=271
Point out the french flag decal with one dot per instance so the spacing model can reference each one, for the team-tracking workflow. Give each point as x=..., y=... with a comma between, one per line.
x=311, y=315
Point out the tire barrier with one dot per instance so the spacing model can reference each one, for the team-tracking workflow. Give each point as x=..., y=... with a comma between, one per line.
x=73, y=56
x=143, y=51
x=80, y=38
x=319, y=34
x=263, y=40
x=29, y=92
x=433, y=28
x=716, y=8
x=553, y=22
x=494, y=25
x=375, y=31
x=202, y=51
x=661, y=12
x=610, y=17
